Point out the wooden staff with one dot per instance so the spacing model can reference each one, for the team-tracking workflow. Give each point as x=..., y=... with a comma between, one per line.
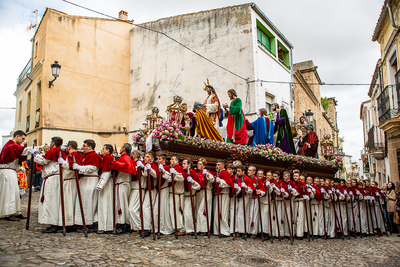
x=359, y=216
x=30, y=192
x=173, y=200
x=192, y=205
x=305, y=207
x=159, y=204
x=150, y=187
x=311, y=221
x=368, y=213
x=291, y=217
x=78, y=188
x=383, y=217
x=269, y=213
x=347, y=216
x=352, y=213
x=340, y=216
x=205, y=195
x=219, y=209
x=376, y=219
x=276, y=217
x=336, y=217
x=141, y=200
x=323, y=214
x=234, y=209
x=287, y=218
x=244, y=210
x=62, y=195
x=259, y=211
x=114, y=174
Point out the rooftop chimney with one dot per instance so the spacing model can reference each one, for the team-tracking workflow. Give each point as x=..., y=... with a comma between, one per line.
x=123, y=15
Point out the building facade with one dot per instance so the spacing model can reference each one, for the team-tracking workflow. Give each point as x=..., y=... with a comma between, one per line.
x=386, y=33
x=239, y=38
x=374, y=156
x=89, y=98
x=307, y=97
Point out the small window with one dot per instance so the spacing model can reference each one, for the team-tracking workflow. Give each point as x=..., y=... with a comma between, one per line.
x=283, y=55
x=265, y=38
x=20, y=111
x=36, y=48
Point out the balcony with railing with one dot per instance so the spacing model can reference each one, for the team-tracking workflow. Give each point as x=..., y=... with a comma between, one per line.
x=376, y=142
x=388, y=108
x=24, y=73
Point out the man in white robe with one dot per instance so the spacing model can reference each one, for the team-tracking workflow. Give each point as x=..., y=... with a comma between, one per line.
x=207, y=179
x=91, y=164
x=179, y=187
x=11, y=156
x=222, y=188
x=105, y=188
x=50, y=194
x=166, y=226
x=150, y=172
x=191, y=184
x=69, y=185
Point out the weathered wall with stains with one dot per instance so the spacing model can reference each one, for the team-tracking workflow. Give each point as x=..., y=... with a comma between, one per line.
x=90, y=97
x=160, y=68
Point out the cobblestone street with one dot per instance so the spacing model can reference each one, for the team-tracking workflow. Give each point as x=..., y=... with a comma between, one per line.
x=19, y=247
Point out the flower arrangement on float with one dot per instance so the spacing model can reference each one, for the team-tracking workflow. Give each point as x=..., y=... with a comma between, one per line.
x=171, y=131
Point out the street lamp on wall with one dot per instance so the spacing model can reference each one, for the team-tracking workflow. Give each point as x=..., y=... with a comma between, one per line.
x=55, y=71
x=310, y=116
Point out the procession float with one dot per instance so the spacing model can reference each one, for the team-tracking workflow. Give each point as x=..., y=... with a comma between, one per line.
x=173, y=136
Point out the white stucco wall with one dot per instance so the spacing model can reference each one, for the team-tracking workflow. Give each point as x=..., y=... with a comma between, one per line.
x=267, y=67
x=160, y=68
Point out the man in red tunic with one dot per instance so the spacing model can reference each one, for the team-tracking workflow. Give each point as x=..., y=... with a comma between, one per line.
x=258, y=190
x=50, y=195
x=12, y=155
x=91, y=164
x=193, y=183
x=222, y=188
x=124, y=167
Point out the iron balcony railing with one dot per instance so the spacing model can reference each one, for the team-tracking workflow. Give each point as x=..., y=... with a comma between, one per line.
x=388, y=104
x=375, y=138
x=25, y=72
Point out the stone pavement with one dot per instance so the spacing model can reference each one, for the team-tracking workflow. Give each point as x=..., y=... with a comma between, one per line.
x=19, y=247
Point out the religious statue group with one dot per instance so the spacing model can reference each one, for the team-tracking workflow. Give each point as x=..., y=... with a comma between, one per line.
x=206, y=122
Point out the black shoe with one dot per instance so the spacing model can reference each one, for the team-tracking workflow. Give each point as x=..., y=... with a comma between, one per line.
x=12, y=218
x=267, y=237
x=146, y=233
x=299, y=238
x=224, y=236
x=100, y=232
x=136, y=232
x=243, y=236
x=237, y=235
x=20, y=216
x=51, y=229
x=202, y=234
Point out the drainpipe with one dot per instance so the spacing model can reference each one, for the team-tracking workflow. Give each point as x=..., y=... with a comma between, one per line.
x=391, y=15
x=291, y=85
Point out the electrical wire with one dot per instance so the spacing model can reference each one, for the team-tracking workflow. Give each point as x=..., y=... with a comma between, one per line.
x=163, y=33
x=209, y=60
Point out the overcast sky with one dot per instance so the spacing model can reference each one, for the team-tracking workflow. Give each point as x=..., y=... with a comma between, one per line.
x=336, y=35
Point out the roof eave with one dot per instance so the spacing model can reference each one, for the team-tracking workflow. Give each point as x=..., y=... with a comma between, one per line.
x=273, y=27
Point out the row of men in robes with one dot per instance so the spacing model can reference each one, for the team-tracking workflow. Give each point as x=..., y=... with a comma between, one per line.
x=280, y=204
